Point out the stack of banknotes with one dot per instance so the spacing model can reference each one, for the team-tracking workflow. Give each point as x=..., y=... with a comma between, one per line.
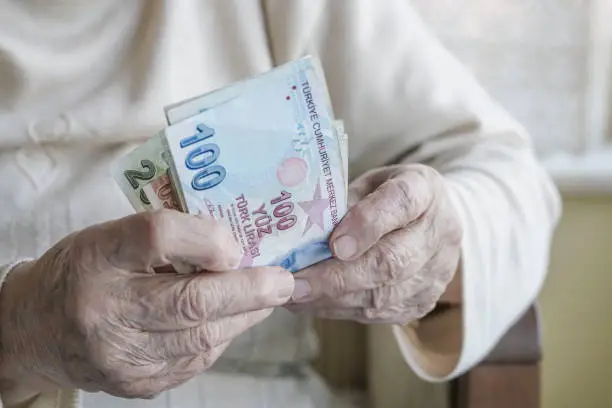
x=265, y=156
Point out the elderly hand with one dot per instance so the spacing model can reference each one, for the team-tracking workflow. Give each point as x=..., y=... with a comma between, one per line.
x=394, y=252
x=88, y=314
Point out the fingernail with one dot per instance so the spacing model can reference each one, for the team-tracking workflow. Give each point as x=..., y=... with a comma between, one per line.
x=345, y=247
x=284, y=284
x=302, y=290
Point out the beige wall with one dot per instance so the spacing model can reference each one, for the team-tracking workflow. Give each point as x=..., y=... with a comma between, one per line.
x=577, y=322
x=577, y=310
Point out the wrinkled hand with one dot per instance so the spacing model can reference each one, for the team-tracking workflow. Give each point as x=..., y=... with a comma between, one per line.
x=88, y=314
x=394, y=252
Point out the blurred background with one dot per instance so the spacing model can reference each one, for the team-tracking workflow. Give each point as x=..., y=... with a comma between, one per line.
x=549, y=63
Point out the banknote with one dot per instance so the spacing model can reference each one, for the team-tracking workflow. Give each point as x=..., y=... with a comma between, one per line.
x=179, y=111
x=161, y=194
x=143, y=176
x=267, y=162
x=343, y=143
x=139, y=167
x=182, y=110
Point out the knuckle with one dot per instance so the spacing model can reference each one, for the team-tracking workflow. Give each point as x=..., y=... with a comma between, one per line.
x=221, y=250
x=454, y=232
x=82, y=316
x=416, y=189
x=260, y=284
x=101, y=357
x=221, y=242
x=447, y=272
x=388, y=264
x=130, y=390
x=207, y=360
x=176, y=382
x=206, y=338
x=150, y=391
x=80, y=246
x=223, y=237
x=403, y=319
x=371, y=314
x=81, y=352
x=402, y=192
x=202, y=363
x=427, y=173
x=422, y=309
x=337, y=284
x=189, y=302
x=442, y=268
x=192, y=366
x=158, y=229
x=362, y=215
x=380, y=297
x=401, y=188
x=433, y=242
x=259, y=280
x=350, y=300
x=444, y=276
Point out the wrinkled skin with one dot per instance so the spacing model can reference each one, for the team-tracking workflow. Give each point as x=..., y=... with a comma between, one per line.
x=403, y=250
x=90, y=314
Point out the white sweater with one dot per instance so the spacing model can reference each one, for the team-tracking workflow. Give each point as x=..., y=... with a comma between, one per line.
x=81, y=82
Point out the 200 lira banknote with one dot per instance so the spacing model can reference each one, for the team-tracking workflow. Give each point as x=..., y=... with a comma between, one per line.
x=138, y=168
x=146, y=167
x=268, y=163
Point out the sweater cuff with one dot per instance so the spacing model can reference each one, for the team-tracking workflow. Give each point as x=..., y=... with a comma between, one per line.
x=57, y=399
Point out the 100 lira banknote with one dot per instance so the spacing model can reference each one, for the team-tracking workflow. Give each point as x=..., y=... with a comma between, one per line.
x=264, y=155
x=268, y=163
x=193, y=106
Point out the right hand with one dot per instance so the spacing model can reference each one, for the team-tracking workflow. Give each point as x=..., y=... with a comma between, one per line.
x=89, y=314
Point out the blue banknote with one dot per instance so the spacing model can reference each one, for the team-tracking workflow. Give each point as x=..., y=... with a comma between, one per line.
x=265, y=160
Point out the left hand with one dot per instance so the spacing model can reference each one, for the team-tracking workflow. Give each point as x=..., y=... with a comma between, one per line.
x=394, y=252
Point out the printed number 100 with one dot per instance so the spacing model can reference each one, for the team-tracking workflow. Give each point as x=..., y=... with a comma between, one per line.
x=202, y=157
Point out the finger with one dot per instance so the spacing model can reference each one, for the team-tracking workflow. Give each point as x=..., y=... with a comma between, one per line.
x=407, y=300
x=187, y=368
x=174, y=374
x=432, y=278
x=353, y=313
x=393, y=205
x=368, y=182
x=378, y=298
x=395, y=258
x=175, y=302
x=200, y=340
x=356, y=314
x=370, y=316
x=151, y=239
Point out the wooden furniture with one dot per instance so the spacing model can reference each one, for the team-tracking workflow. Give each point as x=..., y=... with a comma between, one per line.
x=510, y=376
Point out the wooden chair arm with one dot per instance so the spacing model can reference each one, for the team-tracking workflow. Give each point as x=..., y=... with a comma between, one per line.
x=509, y=376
